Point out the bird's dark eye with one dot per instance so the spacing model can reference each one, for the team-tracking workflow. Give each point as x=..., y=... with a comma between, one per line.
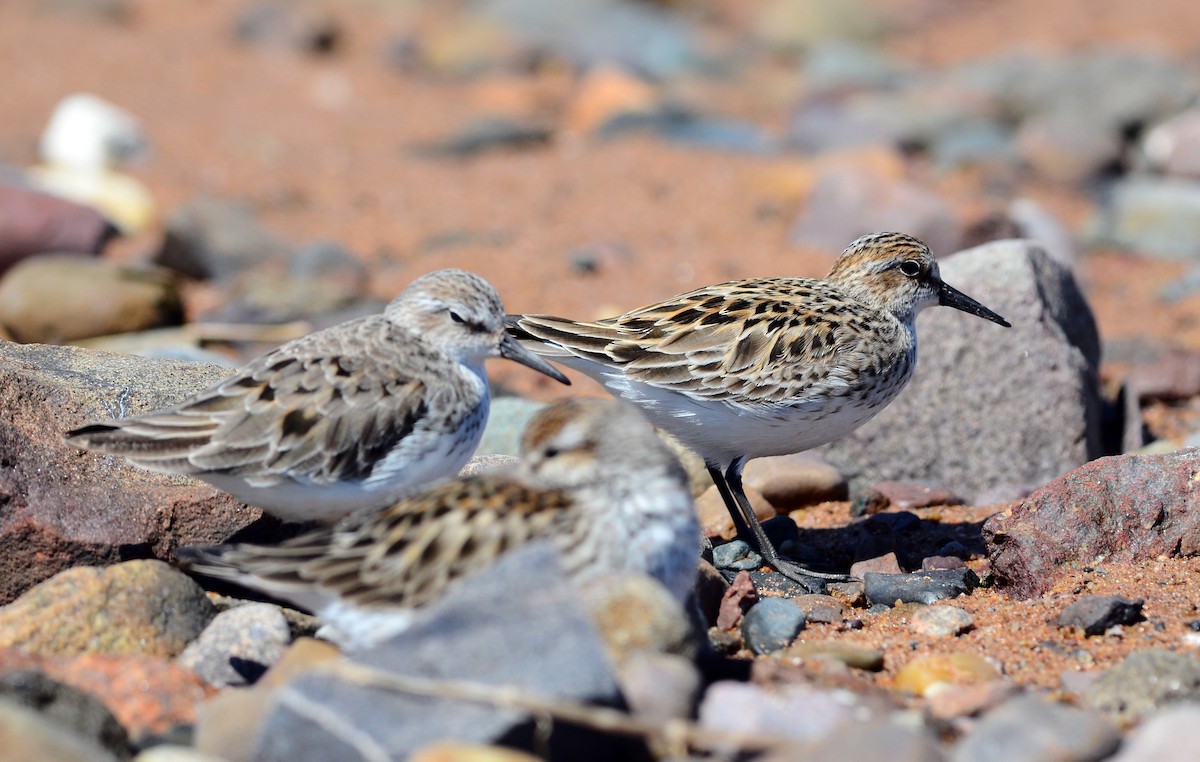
x=551, y=452
x=910, y=268
x=457, y=318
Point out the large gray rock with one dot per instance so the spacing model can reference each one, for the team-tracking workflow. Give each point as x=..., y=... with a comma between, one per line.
x=517, y=624
x=1033, y=729
x=990, y=406
x=63, y=507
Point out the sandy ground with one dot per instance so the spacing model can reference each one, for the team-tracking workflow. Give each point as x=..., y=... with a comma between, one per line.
x=322, y=148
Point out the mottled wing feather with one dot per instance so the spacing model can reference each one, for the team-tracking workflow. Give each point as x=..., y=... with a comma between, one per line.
x=778, y=340
x=310, y=408
x=405, y=555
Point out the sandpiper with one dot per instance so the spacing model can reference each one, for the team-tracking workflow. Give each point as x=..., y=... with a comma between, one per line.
x=594, y=480
x=769, y=366
x=343, y=419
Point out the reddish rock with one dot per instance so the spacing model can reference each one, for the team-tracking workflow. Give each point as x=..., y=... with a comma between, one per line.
x=906, y=494
x=35, y=223
x=146, y=694
x=741, y=595
x=885, y=564
x=1121, y=509
x=65, y=508
x=1175, y=376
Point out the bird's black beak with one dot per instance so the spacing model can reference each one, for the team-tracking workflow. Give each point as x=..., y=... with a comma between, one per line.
x=511, y=349
x=949, y=296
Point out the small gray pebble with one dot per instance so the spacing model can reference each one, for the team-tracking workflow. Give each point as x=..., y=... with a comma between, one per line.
x=1094, y=614
x=238, y=645
x=772, y=624
x=736, y=555
x=941, y=621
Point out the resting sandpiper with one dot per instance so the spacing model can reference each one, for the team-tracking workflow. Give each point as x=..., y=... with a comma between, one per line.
x=344, y=419
x=770, y=366
x=594, y=480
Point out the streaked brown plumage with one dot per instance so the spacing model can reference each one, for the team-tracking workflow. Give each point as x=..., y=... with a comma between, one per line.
x=767, y=366
x=594, y=480
x=342, y=419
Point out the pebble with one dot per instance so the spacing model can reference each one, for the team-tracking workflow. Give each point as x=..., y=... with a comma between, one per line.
x=737, y=556
x=909, y=494
x=83, y=713
x=956, y=701
x=792, y=710
x=212, y=238
x=928, y=674
x=1032, y=729
x=739, y=596
x=137, y=607
x=1154, y=216
x=771, y=624
x=506, y=420
x=659, y=687
x=885, y=564
x=170, y=752
x=919, y=587
x=288, y=27
x=847, y=202
x=604, y=92
x=1173, y=146
x=1094, y=614
x=450, y=751
x=1168, y=735
x=239, y=645
x=29, y=735
x=934, y=563
x=225, y=722
x=867, y=740
x=1068, y=144
x=941, y=621
x=59, y=298
x=485, y=464
x=635, y=613
x=794, y=481
x=490, y=134
x=710, y=591
x=868, y=659
x=1143, y=682
x=822, y=609
x=33, y=223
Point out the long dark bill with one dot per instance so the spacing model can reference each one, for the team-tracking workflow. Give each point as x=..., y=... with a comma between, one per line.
x=511, y=349
x=949, y=296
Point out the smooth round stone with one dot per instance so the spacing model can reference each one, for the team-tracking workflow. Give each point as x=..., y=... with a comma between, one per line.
x=771, y=624
x=659, y=687
x=1143, y=682
x=822, y=609
x=795, y=481
x=714, y=516
x=927, y=674
x=1031, y=729
x=868, y=659
x=941, y=621
x=238, y=645
x=55, y=298
x=736, y=555
x=1168, y=735
x=141, y=607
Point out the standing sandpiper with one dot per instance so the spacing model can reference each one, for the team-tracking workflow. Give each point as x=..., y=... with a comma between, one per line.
x=347, y=418
x=595, y=481
x=770, y=366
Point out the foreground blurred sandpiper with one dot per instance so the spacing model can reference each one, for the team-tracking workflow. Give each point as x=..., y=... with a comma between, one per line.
x=769, y=366
x=347, y=418
x=594, y=480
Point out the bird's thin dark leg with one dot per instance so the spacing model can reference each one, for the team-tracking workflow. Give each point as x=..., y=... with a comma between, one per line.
x=731, y=505
x=750, y=529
